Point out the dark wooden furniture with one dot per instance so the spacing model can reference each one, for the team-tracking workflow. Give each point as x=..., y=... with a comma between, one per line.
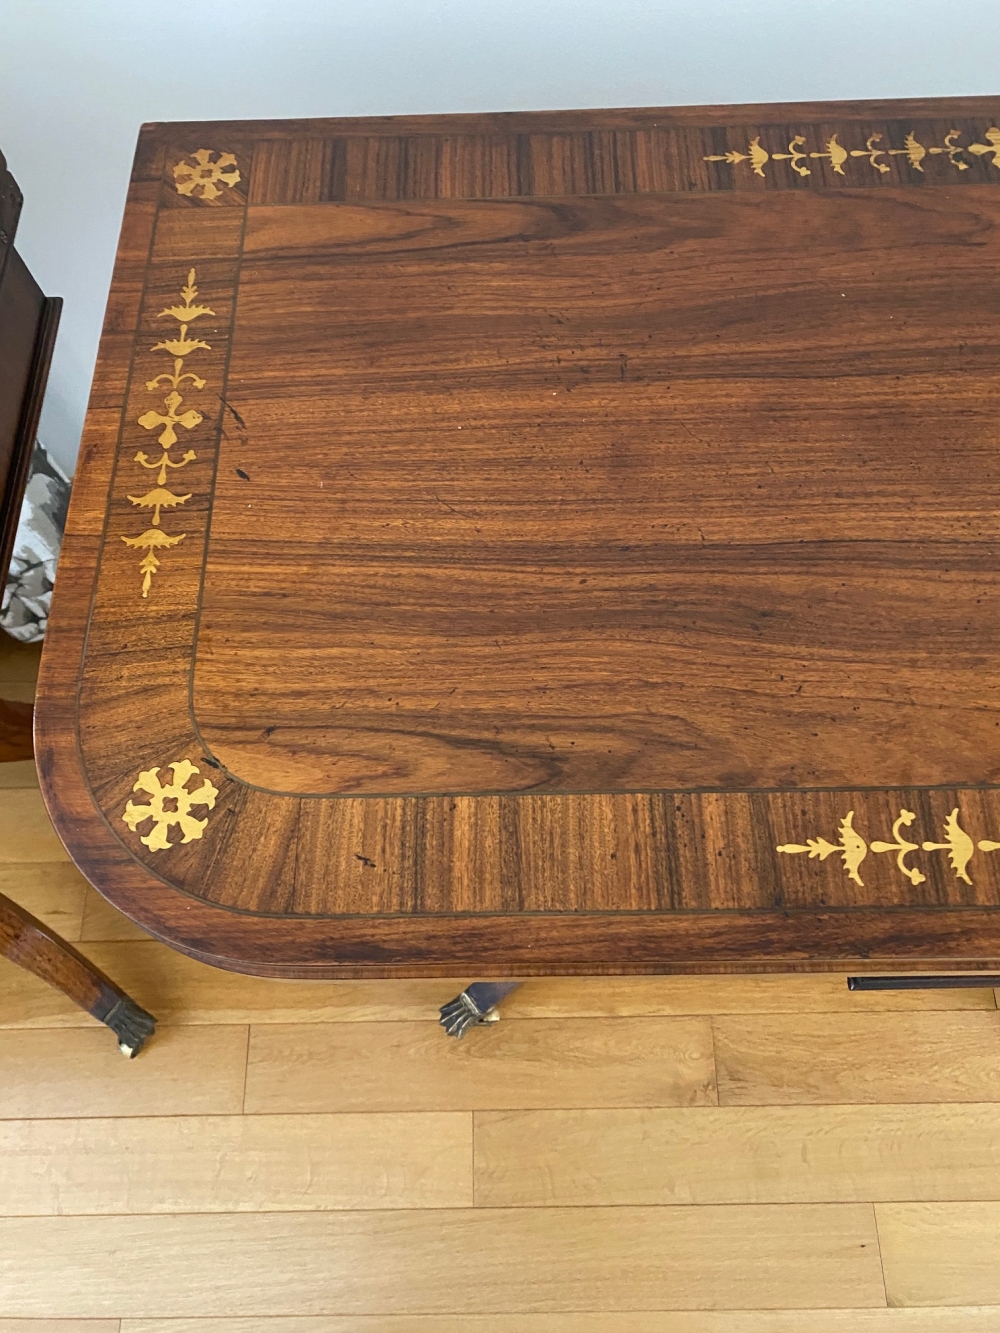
x=28, y=323
x=544, y=543
x=15, y=730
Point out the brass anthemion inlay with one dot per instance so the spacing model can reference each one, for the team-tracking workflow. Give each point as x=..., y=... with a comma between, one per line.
x=199, y=177
x=853, y=848
x=160, y=498
x=798, y=156
x=170, y=804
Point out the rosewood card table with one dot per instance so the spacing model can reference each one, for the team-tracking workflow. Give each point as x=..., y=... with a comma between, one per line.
x=544, y=543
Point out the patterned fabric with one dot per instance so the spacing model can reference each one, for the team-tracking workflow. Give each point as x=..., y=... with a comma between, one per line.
x=24, y=611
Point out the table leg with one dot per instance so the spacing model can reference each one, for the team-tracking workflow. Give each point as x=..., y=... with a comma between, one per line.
x=27, y=942
x=476, y=1004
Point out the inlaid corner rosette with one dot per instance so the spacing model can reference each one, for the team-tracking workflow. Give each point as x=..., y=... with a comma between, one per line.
x=169, y=805
x=205, y=175
x=853, y=848
x=167, y=422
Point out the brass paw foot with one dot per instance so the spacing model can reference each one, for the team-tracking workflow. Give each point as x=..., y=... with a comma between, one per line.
x=477, y=1004
x=131, y=1025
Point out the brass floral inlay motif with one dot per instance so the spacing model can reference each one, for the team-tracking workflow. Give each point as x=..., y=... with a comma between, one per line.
x=795, y=156
x=959, y=846
x=900, y=846
x=159, y=498
x=836, y=154
x=853, y=848
x=755, y=155
x=170, y=805
x=992, y=146
x=198, y=176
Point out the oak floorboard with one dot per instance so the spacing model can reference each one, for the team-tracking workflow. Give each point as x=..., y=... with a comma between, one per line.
x=822, y=992
x=811, y=1058
x=18, y=662
x=18, y=773
x=968, y=1319
x=528, y=1260
x=53, y=891
x=26, y=832
x=709, y=1155
x=101, y=921
x=941, y=1253
x=60, y=1326
x=411, y=1067
x=234, y=1164
x=18, y=691
x=183, y=1071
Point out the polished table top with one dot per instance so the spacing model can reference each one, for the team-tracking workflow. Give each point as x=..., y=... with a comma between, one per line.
x=544, y=542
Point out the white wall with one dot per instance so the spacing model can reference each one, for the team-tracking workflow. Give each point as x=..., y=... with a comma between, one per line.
x=77, y=78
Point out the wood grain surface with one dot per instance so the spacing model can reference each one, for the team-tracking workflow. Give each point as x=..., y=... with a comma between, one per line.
x=26, y=833
x=935, y=1255
x=59, y=1325
x=404, y=1262
x=59, y=1074
x=572, y=549
x=393, y=1066
x=798, y=1154
x=898, y=1057
x=219, y=1163
x=54, y=891
x=966, y=1319
x=15, y=732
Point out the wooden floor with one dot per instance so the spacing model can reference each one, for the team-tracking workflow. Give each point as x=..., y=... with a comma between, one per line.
x=656, y=1155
